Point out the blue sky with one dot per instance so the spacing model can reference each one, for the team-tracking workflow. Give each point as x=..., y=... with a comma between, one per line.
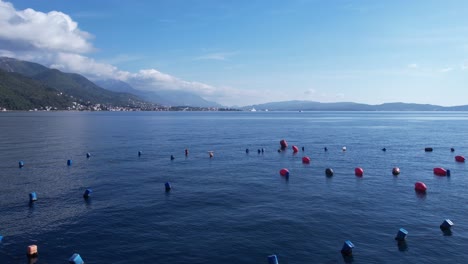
x=245, y=52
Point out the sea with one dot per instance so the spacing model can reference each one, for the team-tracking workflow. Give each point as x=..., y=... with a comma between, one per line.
x=233, y=207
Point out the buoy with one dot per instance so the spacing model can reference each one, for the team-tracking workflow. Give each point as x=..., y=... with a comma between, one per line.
x=344, y=148
x=384, y=149
x=69, y=162
x=139, y=153
x=172, y=157
x=396, y=171
x=359, y=172
x=186, y=152
x=347, y=249
x=303, y=148
x=325, y=149
x=279, y=150
x=440, y=172
x=76, y=259
x=305, y=160
x=401, y=235
x=32, y=251
x=88, y=155
x=87, y=193
x=258, y=151
x=420, y=187
x=295, y=149
x=211, y=153
x=33, y=197
x=328, y=172
x=452, y=149
x=283, y=144
x=263, y=150
x=428, y=149
x=460, y=158
x=1, y=238
x=446, y=225
x=21, y=164
x=247, y=151
x=167, y=186
x=284, y=172
x=272, y=259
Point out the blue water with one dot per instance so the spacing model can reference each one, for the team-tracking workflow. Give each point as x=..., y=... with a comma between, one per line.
x=235, y=207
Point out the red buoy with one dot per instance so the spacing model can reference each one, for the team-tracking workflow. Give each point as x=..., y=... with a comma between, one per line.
x=396, y=171
x=305, y=160
x=440, y=171
x=283, y=144
x=460, y=158
x=359, y=172
x=420, y=187
x=284, y=172
x=295, y=149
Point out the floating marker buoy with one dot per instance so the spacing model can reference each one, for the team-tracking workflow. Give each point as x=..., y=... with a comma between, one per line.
x=420, y=187
x=401, y=235
x=88, y=155
x=295, y=149
x=328, y=172
x=263, y=150
x=384, y=149
x=1, y=238
x=211, y=153
x=87, y=193
x=279, y=150
x=186, y=152
x=272, y=259
x=258, y=151
x=32, y=251
x=283, y=144
x=446, y=225
x=347, y=249
x=69, y=162
x=452, y=149
x=172, y=157
x=428, y=149
x=305, y=160
x=441, y=172
x=76, y=259
x=303, y=148
x=284, y=172
x=359, y=172
x=21, y=164
x=325, y=149
x=460, y=158
x=344, y=148
x=167, y=186
x=396, y=171
x=247, y=151
x=33, y=197
x=139, y=153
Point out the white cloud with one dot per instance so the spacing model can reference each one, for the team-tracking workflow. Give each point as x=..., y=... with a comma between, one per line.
x=29, y=29
x=446, y=69
x=413, y=66
x=221, y=56
x=464, y=66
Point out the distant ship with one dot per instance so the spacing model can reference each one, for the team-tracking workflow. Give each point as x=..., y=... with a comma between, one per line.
x=253, y=110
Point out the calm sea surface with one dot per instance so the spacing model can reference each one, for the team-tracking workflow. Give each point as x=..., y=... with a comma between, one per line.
x=234, y=208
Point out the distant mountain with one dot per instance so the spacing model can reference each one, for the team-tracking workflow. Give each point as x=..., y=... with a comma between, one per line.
x=349, y=106
x=73, y=85
x=18, y=92
x=162, y=97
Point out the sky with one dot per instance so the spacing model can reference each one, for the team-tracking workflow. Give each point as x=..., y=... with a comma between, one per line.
x=247, y=52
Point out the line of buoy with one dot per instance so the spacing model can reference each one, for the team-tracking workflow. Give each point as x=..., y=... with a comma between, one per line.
x=396, y=171
x=459, y=158
x=420, y=187
x=272, y=259
x=167, y=186
x=359, y=172
x=295, y=149
x=76, y=259
x=283, y=144
x=20, y=164
x=88, y=155
x=441, y=172
x=305, y=160
x=284, y=172
x=31, y=251
x=87, y=193
x=329, y=172
x=32, y=197
x=140, y=153
x=428, y=149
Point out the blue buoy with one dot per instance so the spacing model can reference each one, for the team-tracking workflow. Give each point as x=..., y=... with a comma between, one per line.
x=303, y=148
x=452, y=149
x=247, y=151
x=168, y=186
x=448, y=172
x=21, y=164
x=87, y=193
x=69, y=162
x=384, y=149
x=76, y=259
x=88, y=155
x=347, y=249
x=272, y=259
x=258, y=151
x=139, y=153
x=401, y=235
x=446, y=225
x=325, y=149
x=33, y=197
x=1, y=238
x=263, y=150
x=172, y=157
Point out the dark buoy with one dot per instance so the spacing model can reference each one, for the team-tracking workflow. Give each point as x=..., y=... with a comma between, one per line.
x=167, y=186
x=325, y=149
x=33, y=197
x=279, y=150
x=139, y=153
x=284, y=172
x=428, y=149
x=20, y=164
x=420, y=187
x=247, y=151
x=446, y=225
x=211, y=153
x=272, y=259
x=283, y=144
x=401, y=235
x=384, y=149
x=295, y=149
x=69, y=162
x=347, y=249
x=32, y=252
x=303, y=148
x=186, y=152
x=441, y=172
x=396, y=171
x=1, y=238
x=263, y=150
x=359, y=172
x=87, y=193
x=305, y=160
x=452, y=150
x=172, y=157
x=76, y=259
x=258, y=151
x=329, y=172
x=459, y=158
x=88, y=155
